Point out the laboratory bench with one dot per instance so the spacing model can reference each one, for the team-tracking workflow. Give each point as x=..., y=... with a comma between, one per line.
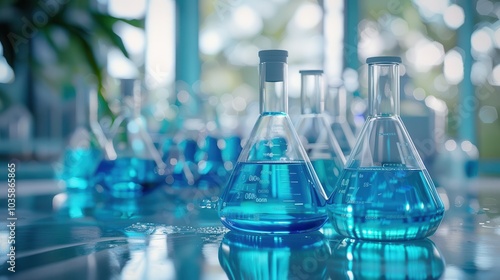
x=175, y=233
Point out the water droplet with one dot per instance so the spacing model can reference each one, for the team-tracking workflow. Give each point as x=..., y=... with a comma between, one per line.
x=140, y=229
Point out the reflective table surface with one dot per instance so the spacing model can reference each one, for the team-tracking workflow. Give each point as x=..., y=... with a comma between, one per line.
x=176, y=234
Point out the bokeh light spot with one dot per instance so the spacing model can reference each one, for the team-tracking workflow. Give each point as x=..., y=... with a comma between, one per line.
x=454, y=16
x=488, y=114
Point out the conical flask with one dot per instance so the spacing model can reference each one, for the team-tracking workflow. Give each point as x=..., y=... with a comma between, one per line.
x=314, y=131
x=137, y=166
x=385, y=191
x=273, y=187
x=87, y=144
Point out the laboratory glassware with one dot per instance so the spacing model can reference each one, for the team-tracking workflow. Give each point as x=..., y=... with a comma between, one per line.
x=273, y=257
x=385, y=191
x=210, y=164
x=273, y=187
x=336, y=109
x=138, y=166
x=170, y=155
x=363, y=259
x=87, y=144
x=185, y=172
x=314, y=131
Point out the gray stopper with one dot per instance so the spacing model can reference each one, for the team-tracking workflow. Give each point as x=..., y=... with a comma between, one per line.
x=274, y=60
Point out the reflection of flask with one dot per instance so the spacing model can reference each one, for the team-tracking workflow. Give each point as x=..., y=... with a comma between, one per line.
x=314, y=131
x=358, y=259
x=273, y=187
x=336, y=108
x=138, y=166
x=385, y=192
x=87, y=144
x=248, y=256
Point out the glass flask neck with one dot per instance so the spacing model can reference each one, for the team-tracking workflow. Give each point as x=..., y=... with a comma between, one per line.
x=383, y=88
x=273, y=87
x=312, y=93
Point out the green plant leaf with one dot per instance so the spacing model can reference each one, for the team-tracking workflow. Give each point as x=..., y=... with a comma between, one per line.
x=110, y=20
x=105, y=24
x=82, y=36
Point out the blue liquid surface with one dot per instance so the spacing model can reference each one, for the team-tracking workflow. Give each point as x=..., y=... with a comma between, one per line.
x=385, y=204
x=78, y=167
x=328, y=173
x=272, y=197
x=128, y=177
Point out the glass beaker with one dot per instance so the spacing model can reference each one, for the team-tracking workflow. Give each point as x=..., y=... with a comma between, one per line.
x=314, y=131
x=385, y=191
x=273, y=186
x=138, y=166
x=87, y=144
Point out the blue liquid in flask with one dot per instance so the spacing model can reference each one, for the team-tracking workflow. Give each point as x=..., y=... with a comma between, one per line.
x=385, y=192
x=272, y=197
x=368, y=204
x=128, y=177
x=79, y=166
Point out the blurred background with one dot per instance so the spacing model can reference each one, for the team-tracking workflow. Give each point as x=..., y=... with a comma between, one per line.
x=197, y=63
